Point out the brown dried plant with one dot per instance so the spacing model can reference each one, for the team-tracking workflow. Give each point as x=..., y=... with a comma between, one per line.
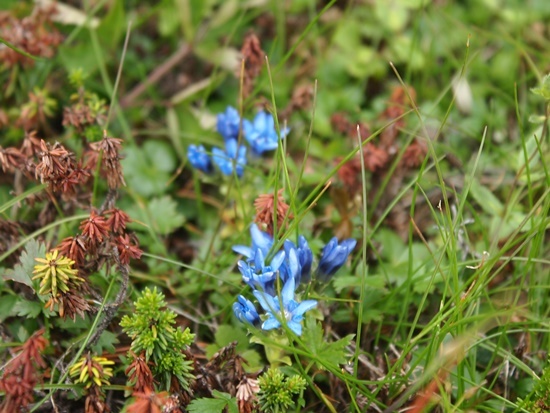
x=33, y=34
x=253, y=57
x=21, y=375
x=267, y=212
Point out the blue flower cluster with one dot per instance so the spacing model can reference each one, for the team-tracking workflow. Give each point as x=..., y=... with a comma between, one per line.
x=292, y=266
x=260, y=134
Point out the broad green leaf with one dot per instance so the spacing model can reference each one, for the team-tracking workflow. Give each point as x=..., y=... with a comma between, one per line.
x=26, y=308
x=486, y=199
x=22, y=273
x=113, y=26
x=334, y=353
x=6, y=304
x=218, y=403
x=147, y=169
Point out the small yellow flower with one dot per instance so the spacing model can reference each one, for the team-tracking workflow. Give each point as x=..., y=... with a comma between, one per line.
x=56, y=273
x=92, y=371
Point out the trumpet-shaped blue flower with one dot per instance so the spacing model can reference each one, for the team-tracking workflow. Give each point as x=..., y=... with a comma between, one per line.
x=292, y=312
x=227, y=123
x=261, y=133
x=333, y=256
x=199, y=158
x=245, y=311
x=260, y=241
x=234, y=156
x=304, y=255
x=259, y=275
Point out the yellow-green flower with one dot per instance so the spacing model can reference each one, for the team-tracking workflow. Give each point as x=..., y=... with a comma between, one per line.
x=56, y=272
x=92, y=371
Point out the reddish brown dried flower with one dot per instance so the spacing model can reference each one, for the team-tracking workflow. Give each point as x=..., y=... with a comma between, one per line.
x=148, y=402
x=78, y=115
x=71, y=304
x=111, y=168
x=70, y=180
x=127, y=249
x=33, y=34
x=350, y=174
x=266, y=212
x=139, y=374
x=95, y=228
x=253, y=57
x=39, y=107
x=31, y=144
x=117, y=220
x=414, y=154
x=20, y=375
x=375, y=158
x=340, y=122
x=95, y=401
x=11, y=159
x=86, y=110
x=54, y=161
x=398, y=104
x=73, y=248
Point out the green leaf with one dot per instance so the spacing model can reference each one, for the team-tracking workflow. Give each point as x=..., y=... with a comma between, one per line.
x=106, y=341
x=22, y=273
x=334, y=353
x=6, y=304
x=26, y=308
x=113, y=26
x=544, y=89
x=486, y=199
x=165, y=216
x=217, y=405
x=147, y=169
x=226, y=335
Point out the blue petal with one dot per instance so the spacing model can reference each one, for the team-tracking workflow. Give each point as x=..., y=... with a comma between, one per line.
x=266, y=301
x=271, y=323
x=296, y=327
x=259, y=260
x=277, y=260
x=260, y=239
x=349, y=244
x=287, y=294
x=243, y=250
x=303, y=307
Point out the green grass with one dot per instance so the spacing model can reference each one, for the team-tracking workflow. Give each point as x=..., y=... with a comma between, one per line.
x=443, y=305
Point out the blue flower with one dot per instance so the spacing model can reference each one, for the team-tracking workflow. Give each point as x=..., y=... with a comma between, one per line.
x=234, y=155
x=259, y=275
x=333, y=257
x=199, y=158
x=228, y=123
x=304, y=255
x=261, y=134
x=291, y=266
x=245, y=311
x=260, y=240
x=292, y=311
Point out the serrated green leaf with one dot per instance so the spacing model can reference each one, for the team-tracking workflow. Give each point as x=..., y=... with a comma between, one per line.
x=160, y=214
x=334, y=353
x=6, y=304
x=106, y=341
x=22, y=273
x=26, y=308
x=206, y=405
